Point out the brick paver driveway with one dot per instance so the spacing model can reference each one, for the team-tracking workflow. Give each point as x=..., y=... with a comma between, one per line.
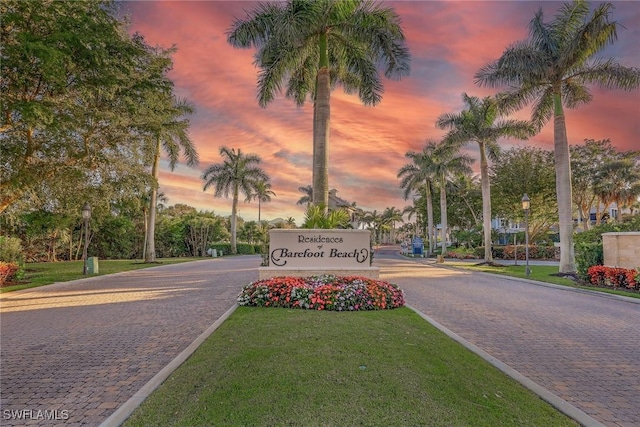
x=81, y=349
x=78, y=350
x=582, y=347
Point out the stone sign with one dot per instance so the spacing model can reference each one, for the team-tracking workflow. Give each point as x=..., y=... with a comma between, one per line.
x=621, y=249
x=305, y=252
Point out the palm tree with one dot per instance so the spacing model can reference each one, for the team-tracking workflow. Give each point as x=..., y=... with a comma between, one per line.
x=237, y=173
x=479, y=123
x=169, y=131
x=317, y=217
x=390, y=216
x=261, y=192
x=552, y=69
x=447, y=162
x=374, y=220
x=418, y=176
x=618, y=181
x=307, y=190
x=306, y=48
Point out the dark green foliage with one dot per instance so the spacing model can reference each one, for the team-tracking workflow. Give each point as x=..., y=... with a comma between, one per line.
x=589, y=250
x=588, y=255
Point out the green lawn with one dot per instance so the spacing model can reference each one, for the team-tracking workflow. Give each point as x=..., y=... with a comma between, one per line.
x=541, y=273
x=282, y=367
x=45, y=273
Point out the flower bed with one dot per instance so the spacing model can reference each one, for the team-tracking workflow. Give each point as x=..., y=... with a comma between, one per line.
x=614, y=277
x=328, y=292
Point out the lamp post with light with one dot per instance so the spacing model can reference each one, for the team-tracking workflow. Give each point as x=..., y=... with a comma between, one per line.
x=526, y=205
x=86, y=216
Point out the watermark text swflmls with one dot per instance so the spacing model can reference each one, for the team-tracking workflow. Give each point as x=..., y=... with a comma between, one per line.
x=35, y=414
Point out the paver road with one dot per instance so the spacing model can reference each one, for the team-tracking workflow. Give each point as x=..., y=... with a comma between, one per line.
x=84, y=348
x=582, y=347
x=79, y=350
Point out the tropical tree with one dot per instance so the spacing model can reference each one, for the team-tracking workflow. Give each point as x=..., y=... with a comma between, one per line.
x=417, y=177
x=447, y=163
x=317, y=217
x=169, y=130
x=307, y=199
x=237, y=173
x=618, y=181
x=390, y=216
x=552, y=69
x=262, y=193
x=306, y=48
x=481, y=122
x=587, y=163
x=72, y=84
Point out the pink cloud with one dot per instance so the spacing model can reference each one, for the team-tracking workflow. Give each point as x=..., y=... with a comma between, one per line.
x=449, y=41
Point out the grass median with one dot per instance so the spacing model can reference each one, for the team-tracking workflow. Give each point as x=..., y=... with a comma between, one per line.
x=267, y=366
x=541, y=273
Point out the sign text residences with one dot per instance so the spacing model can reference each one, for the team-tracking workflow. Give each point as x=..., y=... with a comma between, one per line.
x=319, y=248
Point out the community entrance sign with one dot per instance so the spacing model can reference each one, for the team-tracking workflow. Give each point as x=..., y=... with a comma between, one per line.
x=313, y=252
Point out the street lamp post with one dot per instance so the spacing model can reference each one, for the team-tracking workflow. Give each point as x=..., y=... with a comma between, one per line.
x=526, y=205
x=86, y=215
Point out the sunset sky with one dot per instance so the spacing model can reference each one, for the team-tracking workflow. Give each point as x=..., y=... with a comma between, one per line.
x=448, y=41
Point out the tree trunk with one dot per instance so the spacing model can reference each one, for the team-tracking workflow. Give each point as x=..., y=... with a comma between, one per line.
x=234, y=213
x=486, y=202
x=563, y=189
x=150, y=255
x=321, y=116
x=430, y=235
x=443, y=214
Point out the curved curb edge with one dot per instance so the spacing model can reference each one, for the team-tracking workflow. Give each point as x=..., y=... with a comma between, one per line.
x=125, y=411
x=555, y=401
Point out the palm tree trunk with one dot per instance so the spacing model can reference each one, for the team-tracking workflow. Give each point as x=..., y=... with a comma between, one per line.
x=486, y=202
x=563, y=189
x=150, y=255
x=430, y=236
x=234, y=214
x=321, y=116
x=443, y=214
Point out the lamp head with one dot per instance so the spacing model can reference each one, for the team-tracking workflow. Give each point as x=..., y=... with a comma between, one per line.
x=526, y=202
x=86, y=211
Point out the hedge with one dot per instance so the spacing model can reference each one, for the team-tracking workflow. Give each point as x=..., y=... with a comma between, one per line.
x=614, y=277
x=243, y=248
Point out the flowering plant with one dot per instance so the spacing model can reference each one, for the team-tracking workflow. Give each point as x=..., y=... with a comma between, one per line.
x=328, y=292
x=614, y=277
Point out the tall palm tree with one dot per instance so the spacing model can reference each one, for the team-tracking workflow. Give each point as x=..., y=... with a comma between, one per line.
x=306, y=48
x=447, y=162
x=417, y=176
x=479, y=122
x=261, y=192
x=237, y=173
x=169, y=130
x=552, y=69
x=390, y=216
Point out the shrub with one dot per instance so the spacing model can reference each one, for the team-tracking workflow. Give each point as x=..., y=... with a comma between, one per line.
x=11, y=249
x=462, y=253
x=328, y=292
x=613, y=277
x=587, y=256
x=8, y=271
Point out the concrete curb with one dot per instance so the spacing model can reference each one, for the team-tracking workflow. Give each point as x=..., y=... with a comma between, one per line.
x=555, y=401
x=123, y=412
